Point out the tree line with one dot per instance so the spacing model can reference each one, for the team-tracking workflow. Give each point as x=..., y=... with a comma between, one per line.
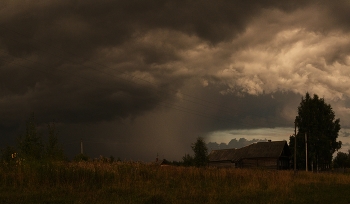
x=30, y=146
x=199, y=159
x=314, y=141
x=342, y=160
x=316, y=133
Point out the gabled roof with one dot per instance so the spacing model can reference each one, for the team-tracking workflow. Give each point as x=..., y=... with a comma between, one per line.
x=256, y=150
x=224, y=155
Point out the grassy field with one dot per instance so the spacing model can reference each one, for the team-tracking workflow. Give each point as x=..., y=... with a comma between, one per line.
x=129, y=182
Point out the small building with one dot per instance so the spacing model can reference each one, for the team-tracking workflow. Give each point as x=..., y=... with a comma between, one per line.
x=268, y=155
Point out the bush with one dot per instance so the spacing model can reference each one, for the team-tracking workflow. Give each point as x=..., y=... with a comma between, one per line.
x=81, y=157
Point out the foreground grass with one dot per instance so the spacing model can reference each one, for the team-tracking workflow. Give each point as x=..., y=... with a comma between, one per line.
x=127, y=182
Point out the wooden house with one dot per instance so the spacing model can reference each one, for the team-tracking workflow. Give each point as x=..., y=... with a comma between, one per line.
x=269, y=155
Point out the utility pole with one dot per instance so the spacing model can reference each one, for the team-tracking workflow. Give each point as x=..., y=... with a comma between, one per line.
x=81, y=146
x=317, y=163
x=295, y=144
x=306, y=151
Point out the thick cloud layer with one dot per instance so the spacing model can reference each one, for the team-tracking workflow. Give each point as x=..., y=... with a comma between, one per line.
x=154, y=75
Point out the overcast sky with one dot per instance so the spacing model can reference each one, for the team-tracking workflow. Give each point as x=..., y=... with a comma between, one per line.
x=134, y=79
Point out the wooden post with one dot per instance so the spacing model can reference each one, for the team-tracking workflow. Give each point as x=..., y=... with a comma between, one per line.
x=306, y=152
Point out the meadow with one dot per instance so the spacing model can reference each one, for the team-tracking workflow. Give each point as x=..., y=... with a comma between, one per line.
x=133, y=182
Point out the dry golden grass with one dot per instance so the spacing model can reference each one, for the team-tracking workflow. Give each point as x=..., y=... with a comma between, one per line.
x=131, y=182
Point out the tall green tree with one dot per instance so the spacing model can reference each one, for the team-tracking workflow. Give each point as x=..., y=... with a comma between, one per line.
x=316, y=122
x=200, y=152
x=342, y=160
x=187, y=160
x=53, y=150
x=30, y=144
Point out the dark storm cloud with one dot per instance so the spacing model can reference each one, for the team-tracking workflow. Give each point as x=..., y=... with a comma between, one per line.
x=53, y=40
x=85, y=26
x=227, y=64
x=265, y=110
x=339, y=13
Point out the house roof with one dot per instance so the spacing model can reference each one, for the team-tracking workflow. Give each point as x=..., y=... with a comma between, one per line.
x=256, y=150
